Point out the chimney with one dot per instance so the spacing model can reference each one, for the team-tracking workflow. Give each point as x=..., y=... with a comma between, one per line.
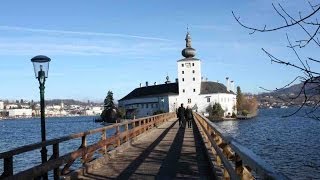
x=232, y=86
x=176, y=80
x=140, y=84
x=146, y=83
x=155, y=83
x=227, y=83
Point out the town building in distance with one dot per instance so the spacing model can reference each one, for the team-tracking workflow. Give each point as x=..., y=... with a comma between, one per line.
x=189, y=88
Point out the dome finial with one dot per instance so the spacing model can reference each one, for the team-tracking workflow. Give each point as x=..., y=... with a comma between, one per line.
x=188, y=52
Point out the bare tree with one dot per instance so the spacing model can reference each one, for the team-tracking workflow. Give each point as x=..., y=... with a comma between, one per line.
x=309, y=24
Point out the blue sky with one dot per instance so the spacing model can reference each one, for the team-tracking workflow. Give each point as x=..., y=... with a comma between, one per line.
x=99, y=45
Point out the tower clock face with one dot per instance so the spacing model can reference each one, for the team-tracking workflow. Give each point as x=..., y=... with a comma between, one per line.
x=188, y=65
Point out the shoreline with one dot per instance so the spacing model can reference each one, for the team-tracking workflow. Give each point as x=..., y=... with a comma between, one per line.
x=37, y=117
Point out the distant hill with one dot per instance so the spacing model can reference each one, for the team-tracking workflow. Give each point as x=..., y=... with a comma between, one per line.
x=293, y=90
x=67, y=102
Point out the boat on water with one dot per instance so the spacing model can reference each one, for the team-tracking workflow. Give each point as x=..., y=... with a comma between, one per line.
x=284, y=107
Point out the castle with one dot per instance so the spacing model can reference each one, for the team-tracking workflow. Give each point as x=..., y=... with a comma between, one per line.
x=189, y=88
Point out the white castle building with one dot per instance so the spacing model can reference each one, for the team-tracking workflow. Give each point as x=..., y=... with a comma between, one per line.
x=189, y=89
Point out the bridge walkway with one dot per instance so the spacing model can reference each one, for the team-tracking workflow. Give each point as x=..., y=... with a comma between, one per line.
x=166, y=152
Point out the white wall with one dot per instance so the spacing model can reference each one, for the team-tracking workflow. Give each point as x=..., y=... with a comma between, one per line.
x=20, y=112
x=186, y=83
x=173, y=103
x=146, y=106
x=227, y=102
x=1, y=105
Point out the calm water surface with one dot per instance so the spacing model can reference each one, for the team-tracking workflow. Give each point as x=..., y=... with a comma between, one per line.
x=19, y=132
x=291, y=145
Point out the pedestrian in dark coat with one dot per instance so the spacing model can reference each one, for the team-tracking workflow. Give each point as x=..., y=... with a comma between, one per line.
x=189, y=116
x=181, y=115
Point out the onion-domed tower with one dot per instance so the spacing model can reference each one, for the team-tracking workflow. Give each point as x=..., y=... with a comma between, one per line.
x=189, y=75
x=188, y=52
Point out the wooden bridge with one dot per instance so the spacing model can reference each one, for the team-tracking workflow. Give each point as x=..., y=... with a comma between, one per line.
x=148, y=148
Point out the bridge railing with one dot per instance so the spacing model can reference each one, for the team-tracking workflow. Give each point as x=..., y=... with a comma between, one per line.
x=124, y=132
x=234, y=160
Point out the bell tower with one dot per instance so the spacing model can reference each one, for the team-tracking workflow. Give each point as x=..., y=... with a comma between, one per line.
x=189, y=74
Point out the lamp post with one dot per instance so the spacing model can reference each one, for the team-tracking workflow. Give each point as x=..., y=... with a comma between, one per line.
x=41, y=68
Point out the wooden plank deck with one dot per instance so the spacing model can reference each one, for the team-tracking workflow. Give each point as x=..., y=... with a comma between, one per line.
x=167, y=152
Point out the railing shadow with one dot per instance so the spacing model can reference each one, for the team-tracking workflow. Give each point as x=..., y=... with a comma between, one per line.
x=134, y=165
x=169, y=166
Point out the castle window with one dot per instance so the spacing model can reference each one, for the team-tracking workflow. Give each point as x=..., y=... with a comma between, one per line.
x=152, y=105
x=194, y=79
x=188, y=65
x=192, y=64
x=182, y=72
x=194, y=90
x=208, y=99
x=182, y=79
x=183, y=90
x=182, y=65
x=193, y=71
x=147, y=105
x=189, y=101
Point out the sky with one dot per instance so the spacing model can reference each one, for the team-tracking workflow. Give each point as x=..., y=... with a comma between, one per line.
x=99, y=45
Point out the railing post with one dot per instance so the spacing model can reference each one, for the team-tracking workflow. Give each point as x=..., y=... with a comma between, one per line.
x=226, y=175
x=118, y=136
x=238, y=165
x=8, y=167
x=55, y=151
x=127, y=132
x=144, y=125
x=83, y=145
x=133, y=129
x=140, y=132
x=103, y=137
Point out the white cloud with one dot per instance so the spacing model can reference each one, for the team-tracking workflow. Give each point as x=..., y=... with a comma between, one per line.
x=30, y=41
x=81, y=33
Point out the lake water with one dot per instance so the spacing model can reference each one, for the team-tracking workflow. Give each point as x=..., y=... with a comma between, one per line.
x=19, y=132
x=291, y=145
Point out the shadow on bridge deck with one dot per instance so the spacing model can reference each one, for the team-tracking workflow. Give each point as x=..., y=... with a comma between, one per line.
x=166, y=152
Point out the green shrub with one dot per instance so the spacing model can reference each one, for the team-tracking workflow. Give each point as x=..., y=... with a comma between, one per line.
x=234, y=115
x=215, y=111
x=245, y=112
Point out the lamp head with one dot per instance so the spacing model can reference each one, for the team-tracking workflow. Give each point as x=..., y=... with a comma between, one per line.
x=41, y=66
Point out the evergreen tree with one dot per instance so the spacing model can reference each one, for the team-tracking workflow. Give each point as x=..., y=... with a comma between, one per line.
x=110, y=112
x=108, y=101
x=240, y=99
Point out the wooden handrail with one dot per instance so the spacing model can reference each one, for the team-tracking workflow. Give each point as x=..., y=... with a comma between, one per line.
x=235, y=158
x=85, y=152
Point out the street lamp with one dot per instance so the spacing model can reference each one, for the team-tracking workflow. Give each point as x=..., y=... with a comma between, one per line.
x=41, y=68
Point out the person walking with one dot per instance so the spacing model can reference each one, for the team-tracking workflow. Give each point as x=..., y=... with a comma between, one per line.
x=181, y=115
x=189, y=116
